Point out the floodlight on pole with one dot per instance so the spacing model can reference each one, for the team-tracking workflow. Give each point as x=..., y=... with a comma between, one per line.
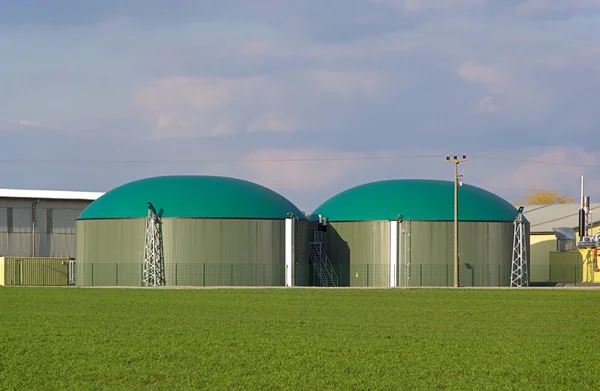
x=456, y=160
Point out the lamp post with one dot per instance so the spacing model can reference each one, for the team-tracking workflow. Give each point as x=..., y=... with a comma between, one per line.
x=456, y=160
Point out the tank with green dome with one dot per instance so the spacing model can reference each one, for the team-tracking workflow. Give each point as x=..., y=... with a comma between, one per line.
x=401, y=232
x=217, y=231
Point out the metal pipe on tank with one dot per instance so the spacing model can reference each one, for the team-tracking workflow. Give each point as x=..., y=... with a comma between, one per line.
x=33, y=227
x=586, y=207
x=409, y=239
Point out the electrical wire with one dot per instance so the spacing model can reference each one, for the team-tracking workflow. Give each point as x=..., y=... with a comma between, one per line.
x=285, y=160
x=177, y=161
x=538, y=162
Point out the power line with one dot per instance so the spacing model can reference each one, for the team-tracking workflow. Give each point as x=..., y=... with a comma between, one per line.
x=283, y=160
x=531, y=161
x=183, y=161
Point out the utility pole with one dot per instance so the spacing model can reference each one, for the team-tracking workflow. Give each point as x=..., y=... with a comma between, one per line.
x=456, y=160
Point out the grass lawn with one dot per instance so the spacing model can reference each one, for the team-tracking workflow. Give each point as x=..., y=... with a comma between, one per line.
x=300, y=339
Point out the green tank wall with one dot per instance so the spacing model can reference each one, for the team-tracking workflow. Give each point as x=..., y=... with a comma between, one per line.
x=485, y=253
x=198, y=252
x=303, y=273
x=360, y=253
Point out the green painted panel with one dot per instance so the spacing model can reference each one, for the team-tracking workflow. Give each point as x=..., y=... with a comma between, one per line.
x=192, y=196
x=197, y=252
x=109, y=252
x=302, y=270
x=426, y=253
x=359, y=252
x=423, y=200
x=35, y=271
x=224, y=252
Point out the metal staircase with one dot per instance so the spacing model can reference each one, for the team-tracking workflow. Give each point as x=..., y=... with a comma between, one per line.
x=154, y=262
x=519, y=276
x=318, y=257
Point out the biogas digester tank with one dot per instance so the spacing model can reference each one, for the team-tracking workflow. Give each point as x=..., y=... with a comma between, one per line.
x=216, y=231
x=401, y=233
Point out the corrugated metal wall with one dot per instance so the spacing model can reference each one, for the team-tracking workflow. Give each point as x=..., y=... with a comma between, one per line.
x=198, y=252
x=109, y=252
x=34, y=271
x=485, y=253
x=359, y=252
x=302, y=270
x=54, y=222
x=231, y=252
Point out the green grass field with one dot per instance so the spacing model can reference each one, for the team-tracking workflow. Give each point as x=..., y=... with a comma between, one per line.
x=301, y=339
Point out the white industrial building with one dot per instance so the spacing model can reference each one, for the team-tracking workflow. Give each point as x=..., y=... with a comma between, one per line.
x=40, y=223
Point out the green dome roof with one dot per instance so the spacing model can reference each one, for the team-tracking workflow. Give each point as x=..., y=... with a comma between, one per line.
x=191, y=196
x=416, y=199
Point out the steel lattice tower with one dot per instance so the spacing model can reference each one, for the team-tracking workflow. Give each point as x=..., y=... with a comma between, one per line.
x=154, y=265
x=519, y=276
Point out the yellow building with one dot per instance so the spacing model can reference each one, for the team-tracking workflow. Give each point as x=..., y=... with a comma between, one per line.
x=555, y=229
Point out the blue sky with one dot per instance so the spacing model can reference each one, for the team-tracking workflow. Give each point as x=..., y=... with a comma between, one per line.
x=238, y=87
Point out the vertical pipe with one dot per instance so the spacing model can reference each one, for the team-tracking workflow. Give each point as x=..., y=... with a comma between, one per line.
x=409, y=238
x=33, y=227
x=582, y=216
x=582, y=192
x=420, y=274
x=367, y=274
x=393, y=253
x=204, y=274
x=117, y=272
x=289, y=254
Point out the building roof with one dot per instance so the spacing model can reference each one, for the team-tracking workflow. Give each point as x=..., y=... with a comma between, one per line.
x=544, y=218
x=50, y=194
x=416, y=199
x=191, y=196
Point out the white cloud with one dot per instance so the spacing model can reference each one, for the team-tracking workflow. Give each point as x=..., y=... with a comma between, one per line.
x=532, y=6
x=26, y=122
x=295, y=168
x=366, y=49
x=505, y=94
x=493, y=78
x=21, y=124
x=428, y=5
x=198, y=106
x=487, y=105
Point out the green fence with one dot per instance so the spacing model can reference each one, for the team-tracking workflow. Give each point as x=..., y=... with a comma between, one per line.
x=28, y=271
x=442, y=275
x=43, y=272
x=182, y=274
